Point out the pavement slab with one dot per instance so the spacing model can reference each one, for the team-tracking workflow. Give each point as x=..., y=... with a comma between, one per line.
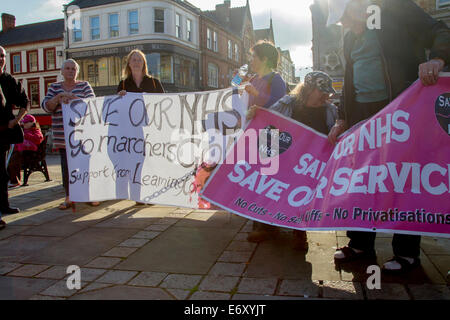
x=388, y=291
x=180, y=250
x=55, y=272
x=124, y=293
x=28, y=270
x=212, y=219
x=219, y=283
x=12, y=230
x=275, y=258
x=236, y=256
x=304, y=288
x=227, y=269
x=342, y=290
x=204, y=295
x=17, y=247
x=180, y=281
x=179, y=294
x=16, y=288
x=81, y=247
x=258, y=286
x=135, y=218
x=429, y=292
x=148, y=279
x=134, y=243
x=6, y=267
x=59, y=289
x=117, y=277
x=119, y=252
x=103, y=262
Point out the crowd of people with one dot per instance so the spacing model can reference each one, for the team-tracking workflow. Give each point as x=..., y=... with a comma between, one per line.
x=377, y=70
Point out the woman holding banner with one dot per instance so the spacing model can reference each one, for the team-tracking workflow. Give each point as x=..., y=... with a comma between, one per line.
x=62, y=93
x=308, y=104
x=264, y=89
x=137, y=79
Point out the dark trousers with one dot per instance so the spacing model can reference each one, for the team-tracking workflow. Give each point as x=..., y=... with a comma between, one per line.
x=64, y=170
x=402, y=245
x=14, y=167
x=4, y=178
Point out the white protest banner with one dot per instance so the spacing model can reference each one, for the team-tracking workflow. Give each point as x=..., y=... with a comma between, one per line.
x=145, y=147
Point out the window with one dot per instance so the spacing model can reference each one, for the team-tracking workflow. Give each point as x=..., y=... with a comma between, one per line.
x=113, y=25
x=48, y=82
x=178, y=25
x=443, y=4
x=160, y=66
x=208, y=39
x=77, y=35
x=213, y=75
x=159, y=20
x=95, y=28
x=32, y=61
x=230, y=50
x=216, y=48
x=50, y=59
x=16, y=62
x=133, y=22
x=184, y=71
x=105, y=71
x=236, y=52
x=33, y=92
x=189, y=30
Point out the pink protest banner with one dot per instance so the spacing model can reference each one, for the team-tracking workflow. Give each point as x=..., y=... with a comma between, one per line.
x=390, y=173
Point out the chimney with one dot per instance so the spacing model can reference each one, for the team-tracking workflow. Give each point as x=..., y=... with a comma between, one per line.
x=223, y=10
x=8, y=22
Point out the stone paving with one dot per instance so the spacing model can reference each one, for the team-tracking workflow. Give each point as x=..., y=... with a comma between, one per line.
x=167, y=253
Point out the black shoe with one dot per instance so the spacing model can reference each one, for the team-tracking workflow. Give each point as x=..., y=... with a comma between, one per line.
x=9, y=210
x=2, y=224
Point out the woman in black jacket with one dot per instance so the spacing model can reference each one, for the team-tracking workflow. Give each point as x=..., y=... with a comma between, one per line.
x=136, y=77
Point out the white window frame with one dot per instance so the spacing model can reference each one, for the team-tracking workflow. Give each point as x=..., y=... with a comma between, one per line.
x=178, y=29
x=189, y=30
x=75, y=30
x=213, y=82
x=16, y=54
x=208, y=39
x=215, y=42
x=163, y=21
x=109, y=24
x=230, y=49
x=129, y=23
x=91, y=29
x=236, y=52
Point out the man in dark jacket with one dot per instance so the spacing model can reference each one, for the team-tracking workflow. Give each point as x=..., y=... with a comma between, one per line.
x=380, y=64
x=11, y=94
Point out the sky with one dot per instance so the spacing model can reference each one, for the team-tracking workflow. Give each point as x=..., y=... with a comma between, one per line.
x=291, y=20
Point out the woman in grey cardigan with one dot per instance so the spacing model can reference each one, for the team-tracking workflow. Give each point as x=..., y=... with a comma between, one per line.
x=308, y=104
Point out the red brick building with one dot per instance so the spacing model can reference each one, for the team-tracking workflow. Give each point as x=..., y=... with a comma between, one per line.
x=224, y=43
x=34, y=54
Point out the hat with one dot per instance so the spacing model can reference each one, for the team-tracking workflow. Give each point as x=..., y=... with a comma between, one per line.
x=28, y=118
x=320, y=80
x=336, y=9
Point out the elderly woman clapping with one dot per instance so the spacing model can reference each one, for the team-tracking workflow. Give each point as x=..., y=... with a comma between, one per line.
x=61, y=93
